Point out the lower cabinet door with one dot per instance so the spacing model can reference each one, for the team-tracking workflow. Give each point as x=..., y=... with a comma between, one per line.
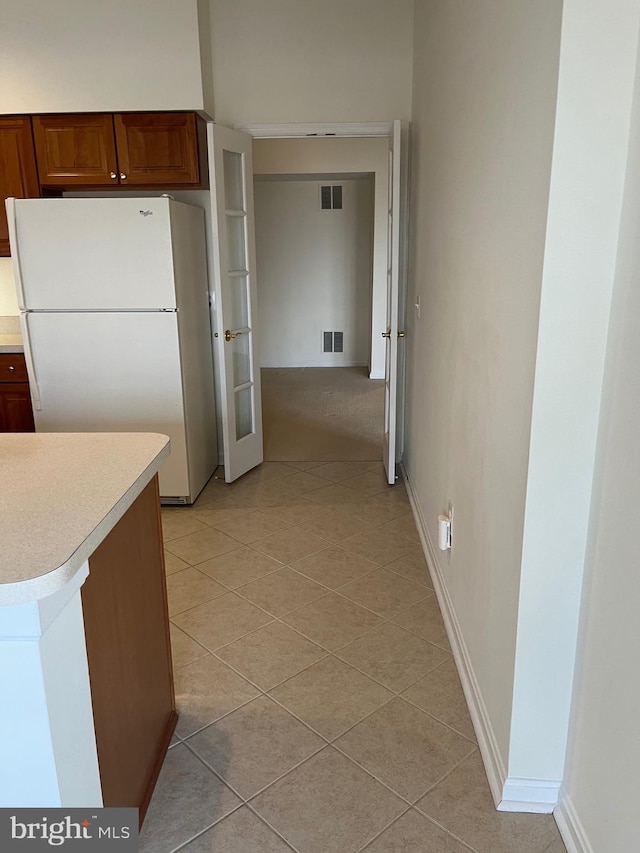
x=126, y=624
x=16, y=414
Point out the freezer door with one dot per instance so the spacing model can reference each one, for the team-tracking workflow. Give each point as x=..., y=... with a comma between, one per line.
x=92, y=254
x=111, y=373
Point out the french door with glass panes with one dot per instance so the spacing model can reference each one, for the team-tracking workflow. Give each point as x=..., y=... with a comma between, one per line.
x=234, y=300
x=396, y=297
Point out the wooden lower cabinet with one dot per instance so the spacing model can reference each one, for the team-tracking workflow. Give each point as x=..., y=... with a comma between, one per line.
x=16, y=414
x=126, y=624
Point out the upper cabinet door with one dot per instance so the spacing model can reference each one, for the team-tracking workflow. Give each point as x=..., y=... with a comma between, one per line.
x=157, y=148
x=18, y=176
x=75, y=150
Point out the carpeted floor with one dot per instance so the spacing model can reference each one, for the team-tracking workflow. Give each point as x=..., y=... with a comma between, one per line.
x=321, y=413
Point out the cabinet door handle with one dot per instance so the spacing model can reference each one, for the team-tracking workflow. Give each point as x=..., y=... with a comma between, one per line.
x=123, y=177
x=113, y=175
x=11, y=367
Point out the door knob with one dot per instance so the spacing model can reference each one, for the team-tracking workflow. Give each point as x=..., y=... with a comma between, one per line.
x=229, y=335
x=113, y=175
x=401, y=334
x=123, y=177
x=386, y=334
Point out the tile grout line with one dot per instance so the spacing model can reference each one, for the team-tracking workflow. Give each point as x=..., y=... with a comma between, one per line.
x=206, y=829
x=375, y=837
x=287, y=526
x=441, y=780
x=433, y=716
x=331, y=653
x=325, y=745
x=385, y=620
x=388, y=786
x=246, y=800
x=443, y=828
x=272, y=828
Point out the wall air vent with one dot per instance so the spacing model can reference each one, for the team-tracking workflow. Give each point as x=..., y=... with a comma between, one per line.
x=333, y=342
x=331, y=197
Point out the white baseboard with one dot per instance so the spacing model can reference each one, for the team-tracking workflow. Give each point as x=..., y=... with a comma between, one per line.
x=571, y=829
x=517, y=795
x=324, y=363
x=538, y=796
x=494, y=766
x=376, y=374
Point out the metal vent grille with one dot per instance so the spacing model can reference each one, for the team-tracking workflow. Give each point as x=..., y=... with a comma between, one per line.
x=331, y=197
x=332, y=342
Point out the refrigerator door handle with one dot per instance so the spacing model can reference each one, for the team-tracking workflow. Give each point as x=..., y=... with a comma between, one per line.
x=31, y=370
x=13, y=242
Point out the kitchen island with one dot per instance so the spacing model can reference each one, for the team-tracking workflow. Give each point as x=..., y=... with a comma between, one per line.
x=87, y=708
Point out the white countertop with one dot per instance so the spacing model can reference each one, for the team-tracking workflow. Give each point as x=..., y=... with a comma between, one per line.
x=60, y=495
x=11, y=343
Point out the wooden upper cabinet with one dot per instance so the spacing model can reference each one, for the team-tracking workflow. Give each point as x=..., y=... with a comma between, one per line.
x=104, y=150
x=157, y=148
x=18, y=176
x=75, y=150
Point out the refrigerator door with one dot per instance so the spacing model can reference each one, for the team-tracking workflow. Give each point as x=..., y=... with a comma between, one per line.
x=111, y=373
x=92, y=254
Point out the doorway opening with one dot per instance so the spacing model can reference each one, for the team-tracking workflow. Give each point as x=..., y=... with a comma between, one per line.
x=321, y=244
x=315, y=253
x=236, y=158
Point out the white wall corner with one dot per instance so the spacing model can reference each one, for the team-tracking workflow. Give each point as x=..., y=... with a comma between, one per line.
x=376, y=374
x=537, y=796
x=487, y=742
x=510, y=794
x=571, y=828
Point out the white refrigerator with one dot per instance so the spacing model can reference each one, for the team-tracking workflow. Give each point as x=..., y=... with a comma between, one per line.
x=116, y=324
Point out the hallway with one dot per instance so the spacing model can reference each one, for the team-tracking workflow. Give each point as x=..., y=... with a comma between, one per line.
x=320, y=709
x=322, y=413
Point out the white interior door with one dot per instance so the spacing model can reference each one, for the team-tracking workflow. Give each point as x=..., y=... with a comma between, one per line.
x=396, y=274
x=234, y=300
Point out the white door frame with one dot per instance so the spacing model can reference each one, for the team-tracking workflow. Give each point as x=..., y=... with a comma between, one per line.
x=314, y=130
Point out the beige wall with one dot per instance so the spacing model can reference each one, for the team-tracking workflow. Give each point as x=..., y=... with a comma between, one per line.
x=341, y=156
x=484, y=93
x=311, y=60
x=112, y=55
x=315, y=272
x=600, y=793
x=8, y=299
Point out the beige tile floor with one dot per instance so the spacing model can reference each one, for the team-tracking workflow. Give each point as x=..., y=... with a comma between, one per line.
x=320, y=708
